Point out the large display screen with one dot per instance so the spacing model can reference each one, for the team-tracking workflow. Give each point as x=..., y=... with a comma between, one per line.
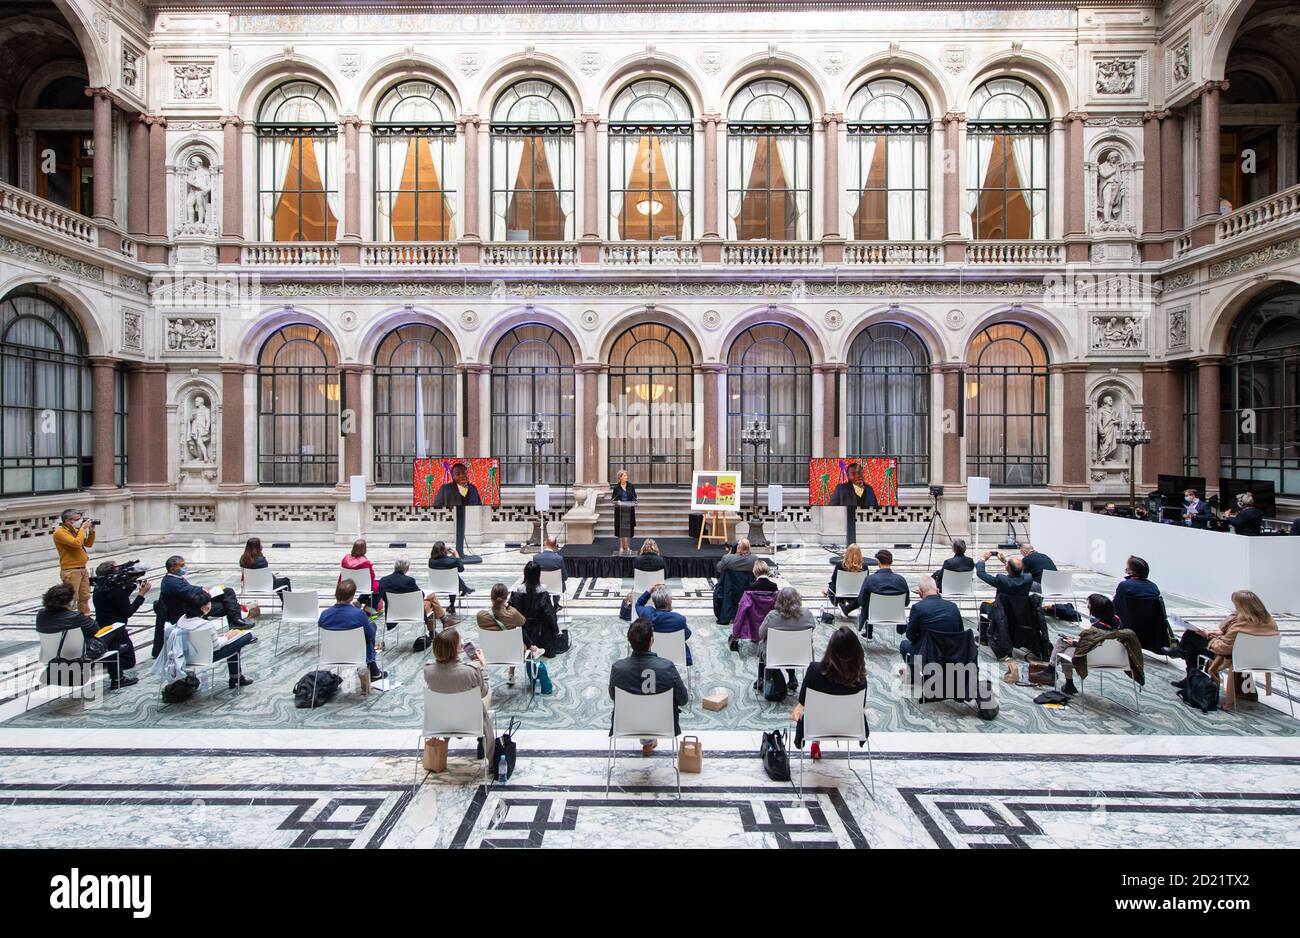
x=450, y=482
x=829, y=481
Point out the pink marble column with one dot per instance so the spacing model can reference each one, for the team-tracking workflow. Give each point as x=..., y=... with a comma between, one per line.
x=1075, y=226
x=469, y=374
x=589, y=251
x=1162, y=398
x=1208, y=429
x=954, y=248
x=146, y=461
x=352, y=376
x=103, y=164
x=715, y=373
x=1208, y=201
x=950, y=455
x=592, y=374
x=710, y=253
x=1151, y=175
x=470, y=235
x=1074, y=420
x=350, y=246
x=137, y=179
x=232, y=190
x=234, y=430
x=158, y=175
x=102, y=374
x=832, y=442
x=833, y=124
x=1171, y=173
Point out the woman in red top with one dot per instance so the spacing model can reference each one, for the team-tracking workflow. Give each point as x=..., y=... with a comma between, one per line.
x=356, y=559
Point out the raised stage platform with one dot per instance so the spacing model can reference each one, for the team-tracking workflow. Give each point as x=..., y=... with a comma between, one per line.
x=681, y=558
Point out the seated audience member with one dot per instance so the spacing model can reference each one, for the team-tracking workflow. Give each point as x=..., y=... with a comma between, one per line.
x=932, y=613
x=175, y=588
x=356, y=559
x=735, y=574
x=788, y=615
x=1034, y=562
x=253, y=559
x=842, y=671
x=648, y=559
x=884, y=582
x=1248, y=617
x=741, y=559
x=533, y=602
x=656, y=604
x=500, y=616
x=345, y=615
x=1015, y=581
x=1134, y=585
x=59, y=613
x=1247, y=519
x=1196, y=513
x=549, y=558
x=851, y=562
x=225, y=645
x=644, y=672
x=1101, y=614
x=957, y=563
x=399, y=582
x=448, y=674
x=442, y=557
x=761, y=581
x=116, y=603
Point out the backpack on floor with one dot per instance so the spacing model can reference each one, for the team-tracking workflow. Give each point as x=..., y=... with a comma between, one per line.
x=774, y=687
x=180, y=690
x=1201, y=691
x=315, y=688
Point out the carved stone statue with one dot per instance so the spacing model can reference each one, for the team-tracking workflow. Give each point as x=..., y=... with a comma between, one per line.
x=1112, y=187
x=198, y=430
x=1106, y=430
x=1116, y=76
x=198, y=191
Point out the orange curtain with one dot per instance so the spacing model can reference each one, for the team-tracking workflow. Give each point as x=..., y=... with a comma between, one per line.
x=303, y=212
x=421, y=215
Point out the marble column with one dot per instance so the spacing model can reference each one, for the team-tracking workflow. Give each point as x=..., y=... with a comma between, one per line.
x=1208, y=196
x=473, y=399
x=1162, y=412
x=832, y=240
x=712, y=452
x=470, y=236
x=157, y=251
x=1171, y=173
x=1151, y=175
x=146, y=460
x=352, y=376
x=710, y=253
x=1074, y=422
x=350, y=243
x=950, y=456
x=591, y=375
x=589, y=250
x=830, y=376
x=102, y=99
x=232, y=190
x=236, y=426
x=103, y=372
x=1075, y=224
x=954, y=248
x=137, y=179
x=1208, y=419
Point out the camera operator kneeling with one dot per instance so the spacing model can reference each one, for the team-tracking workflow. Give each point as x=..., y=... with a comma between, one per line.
x=58, y=613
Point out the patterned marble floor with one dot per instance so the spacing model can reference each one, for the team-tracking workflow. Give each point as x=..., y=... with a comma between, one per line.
x=246, y=767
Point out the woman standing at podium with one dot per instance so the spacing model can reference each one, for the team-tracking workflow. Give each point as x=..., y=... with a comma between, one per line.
x=624, y=518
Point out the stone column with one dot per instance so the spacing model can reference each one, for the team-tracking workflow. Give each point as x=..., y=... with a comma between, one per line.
x=469, y=376
x=146, y=457
x=1162, y=412
x=470, y=236
x=589, y=250
x=1151, y=175
x=157, y=250
x=137, y=180
x=832, y=240
x=1075, y=225
x=954, y=246
x=1208, y=428
x=1171, y=173
x=829, y=375
x=236, y=426
x=350, y=242
x=1074, y=422
x=1208, y=200
x=591, y=375
x=232, y=190
x=711, y=447
x=950, y=456
x=351, y=376
x=102, y=99
x=102, y=374
x=710, y=253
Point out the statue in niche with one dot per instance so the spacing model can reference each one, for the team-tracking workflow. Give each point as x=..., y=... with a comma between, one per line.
x=198, y=430
x=1112, y=189
x=1107, y=429
x=198, y=192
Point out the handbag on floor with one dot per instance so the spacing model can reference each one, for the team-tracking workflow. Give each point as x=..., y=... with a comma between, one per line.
x=505, y=746
x=774, y=687
x=776, y=761
x=180, y=690
x=536, y=671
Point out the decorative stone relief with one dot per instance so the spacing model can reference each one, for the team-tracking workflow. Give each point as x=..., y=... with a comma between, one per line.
x=590, y=319
x=469, y=63
x=132, y=70
x=196, y=514
x=191, y=334
x=953, y=58
x=349, y=62
x=21, y=529
x=31, y=252
x=1180, y=329
x=834, y=319
x=1211, y=16
x=469, y=320
x=954, y=319
x=395, y=514
x=132, y=331
x=1070, y=55
x=134, y=284
x=236, y=62
x=1257, y=258
x=833, y=61
x=1116, y=76
x=101, y=26
x=1118, y=333
x=710, y=61
x=1182, y=67
x=349, y=320
x=192, y=82
x=589, y=61
x=291, y=514
x=711, y=319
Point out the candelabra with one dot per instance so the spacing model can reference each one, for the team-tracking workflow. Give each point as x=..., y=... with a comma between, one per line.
x=756, y=435
x=1133, y=434
x=538, y=436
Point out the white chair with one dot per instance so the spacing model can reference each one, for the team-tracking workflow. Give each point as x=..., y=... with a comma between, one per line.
x=848, y=584
x=296, y=609
x=401, y=608
x=788, y=649
x=360, y=577
x=1057, y=586
x=553, y=580
x=445, y=583
x=1252, y=653
x=642, y=580
x=672, y=645
x=341, y=649
x=451, y=716
x=505, y=647
x=74, y=645
x=958, y=585
x=1110, y=655
x=642, y=716
x=886, y=610
x=259, y=584
x=836, y=717
x=199, y=654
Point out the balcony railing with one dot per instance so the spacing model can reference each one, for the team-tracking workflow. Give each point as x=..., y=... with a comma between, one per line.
x=1274, y=210
x=291, y=254
x=410, y=254
x=526, y=254
x=1014, y=252
x=1182, y=245
x=15, y=203
x=654, y=253
x=893, y=252
x=772, y=253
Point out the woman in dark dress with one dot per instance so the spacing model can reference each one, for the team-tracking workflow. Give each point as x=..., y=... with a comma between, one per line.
x=842, y=671
x=534, y=602
x=254, y=559
x=624, y=518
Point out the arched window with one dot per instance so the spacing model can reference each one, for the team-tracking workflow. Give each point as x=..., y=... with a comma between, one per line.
x=1006, y=162
x=45, y=406
x=298, y=408
x=1260, y=392
x=650, y=162
x=415, y=400
x=297, y=164
x=415, y=164
x=533, y=378
x=769, y=377
x=889, y=162
x=889, y=399
x=1006, y=406
x=532, y=163
x=651, y=406
x=769, y=149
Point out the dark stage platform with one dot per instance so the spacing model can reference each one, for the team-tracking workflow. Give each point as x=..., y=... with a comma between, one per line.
x=679, y=553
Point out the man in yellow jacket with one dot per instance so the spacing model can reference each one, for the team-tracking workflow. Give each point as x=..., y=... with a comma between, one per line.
x=71, y=538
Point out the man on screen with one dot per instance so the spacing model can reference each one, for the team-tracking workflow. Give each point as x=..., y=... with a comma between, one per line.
x=459, y=491
x=856, y=492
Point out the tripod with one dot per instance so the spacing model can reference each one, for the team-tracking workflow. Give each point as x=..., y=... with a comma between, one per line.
x=931, y=532
x=1012, y=540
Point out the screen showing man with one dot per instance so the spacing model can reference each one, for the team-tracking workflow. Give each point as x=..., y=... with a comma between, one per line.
x=459, y=491
x=854, y=491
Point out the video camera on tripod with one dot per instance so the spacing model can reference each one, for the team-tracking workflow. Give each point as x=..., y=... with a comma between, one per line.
x=123, y=575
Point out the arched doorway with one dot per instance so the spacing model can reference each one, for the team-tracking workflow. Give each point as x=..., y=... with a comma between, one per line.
x=651, y=406
x=298, y=408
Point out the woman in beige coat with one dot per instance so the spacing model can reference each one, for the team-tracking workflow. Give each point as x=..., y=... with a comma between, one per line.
x=448, y=674
x=500, y=616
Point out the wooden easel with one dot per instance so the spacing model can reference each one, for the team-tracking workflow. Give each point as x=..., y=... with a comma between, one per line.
x=709, y=529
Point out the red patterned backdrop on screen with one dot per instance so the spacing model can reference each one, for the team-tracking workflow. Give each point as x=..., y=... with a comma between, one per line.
x=880, y=472
x=484, y=473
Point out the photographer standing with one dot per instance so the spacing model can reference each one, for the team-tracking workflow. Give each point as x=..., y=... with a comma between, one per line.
x=71, y=538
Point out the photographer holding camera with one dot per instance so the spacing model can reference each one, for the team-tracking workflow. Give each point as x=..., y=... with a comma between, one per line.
x=71, y=538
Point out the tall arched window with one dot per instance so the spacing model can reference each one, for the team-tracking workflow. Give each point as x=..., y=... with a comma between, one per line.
x=298, y=408
x=1260, y=392
x=532, y=163
x=769, y=149
x=415, y=164
x=650, y=162
x=1006, y=162
x=297, y=172
x=889, y=399
x=769, y=377
x=533, y=378
x=651, y=406
x=1006, y=406
x=889, y=162
x=45, y=405
x=415, y=400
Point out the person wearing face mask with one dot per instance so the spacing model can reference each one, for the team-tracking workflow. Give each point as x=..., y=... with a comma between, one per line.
x=175, y=588
x=1196, y=513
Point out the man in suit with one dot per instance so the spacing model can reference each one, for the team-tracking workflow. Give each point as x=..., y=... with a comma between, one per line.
x=459, y=491
x=1015, y=581
x=957, y=563
x=855, y=491
x=1033, y=562
x=644, y=672
x=742, y=560
x=400, y=581
x=1135, y=585
x=932, y=614
x=1247, y=519
x=549, y=558
x=884, y=582
x=174, y=589
x=656, y=606
x=1196, y=513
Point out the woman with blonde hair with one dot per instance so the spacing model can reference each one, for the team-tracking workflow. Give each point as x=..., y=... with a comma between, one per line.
x=648, y=557
x=1248, y=617
x=851, y=562
x=624, y=518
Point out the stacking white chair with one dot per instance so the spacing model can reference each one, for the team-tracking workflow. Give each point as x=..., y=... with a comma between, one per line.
x=259, y=584
x=1058, y=587
x=74, y=644
x=958, y=586
x=360, y=577
x=672, y=645
x=451, y=716
x=886, y=610
x=1252, y=653
x=445, y=583
x=296, y=609
x=642, y=580
x=505, y=647
x=789, y=649
x=642, y=716
x=553, y=580
x=199, y=651
x=341, y=649
x=847, y=583
x=1110, y=655
x=400, y=609
x=836, y=718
